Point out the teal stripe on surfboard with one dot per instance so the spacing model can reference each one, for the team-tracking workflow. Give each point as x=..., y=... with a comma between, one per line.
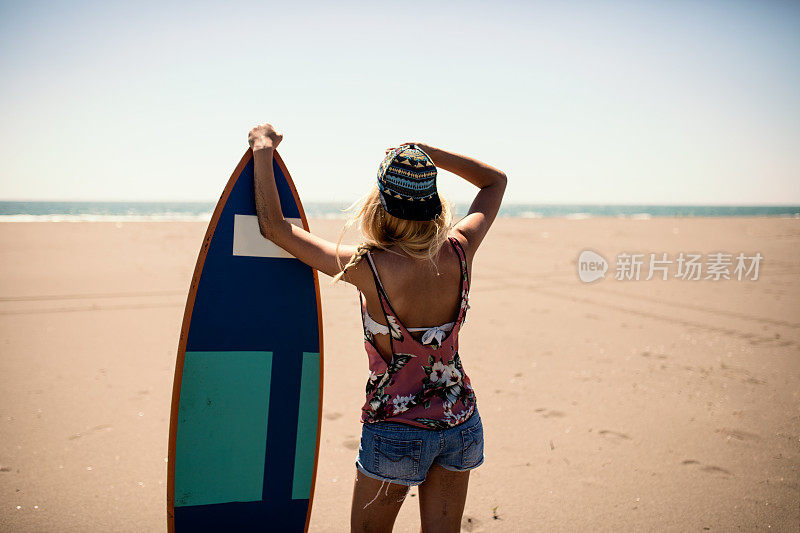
x=306, y=447
x=222, y=427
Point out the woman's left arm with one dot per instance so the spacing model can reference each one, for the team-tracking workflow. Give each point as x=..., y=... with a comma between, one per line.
x=314, y=251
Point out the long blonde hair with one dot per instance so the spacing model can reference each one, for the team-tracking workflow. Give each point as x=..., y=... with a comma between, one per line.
x=420, y=239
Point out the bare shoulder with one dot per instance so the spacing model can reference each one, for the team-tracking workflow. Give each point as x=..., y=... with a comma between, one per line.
x=456, y=234
x=461, y=238
x=358, y=274
x=462, y=241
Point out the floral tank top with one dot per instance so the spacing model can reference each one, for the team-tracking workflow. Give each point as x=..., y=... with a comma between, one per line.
x=423, y=385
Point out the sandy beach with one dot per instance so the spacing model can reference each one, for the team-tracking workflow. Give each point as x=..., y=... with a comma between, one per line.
x=617, y=405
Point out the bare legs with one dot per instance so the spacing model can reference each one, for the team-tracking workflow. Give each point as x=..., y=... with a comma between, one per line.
x=441, y=502
x=375, y=504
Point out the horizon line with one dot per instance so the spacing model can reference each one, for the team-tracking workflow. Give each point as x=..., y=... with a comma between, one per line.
x=542, y=203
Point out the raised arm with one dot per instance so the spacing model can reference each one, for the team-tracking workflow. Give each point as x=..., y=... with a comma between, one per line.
x=484, y=208
x=314, y=251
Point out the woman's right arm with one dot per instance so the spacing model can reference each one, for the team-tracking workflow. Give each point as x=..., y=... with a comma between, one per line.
x=492, y=185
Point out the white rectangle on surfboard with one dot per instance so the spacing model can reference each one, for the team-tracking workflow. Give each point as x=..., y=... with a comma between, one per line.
x=248, y=241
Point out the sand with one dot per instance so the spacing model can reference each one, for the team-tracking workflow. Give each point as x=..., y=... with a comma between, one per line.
x=646, y=405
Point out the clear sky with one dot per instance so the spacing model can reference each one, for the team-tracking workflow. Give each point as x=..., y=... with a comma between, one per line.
x=578, y=102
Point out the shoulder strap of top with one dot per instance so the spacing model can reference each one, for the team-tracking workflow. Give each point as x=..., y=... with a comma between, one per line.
x=384, y=299
x=462, y=256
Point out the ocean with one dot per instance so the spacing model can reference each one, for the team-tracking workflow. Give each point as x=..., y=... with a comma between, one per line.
x=17, y=211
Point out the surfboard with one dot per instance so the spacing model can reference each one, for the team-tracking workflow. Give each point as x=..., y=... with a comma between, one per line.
x=247, y=396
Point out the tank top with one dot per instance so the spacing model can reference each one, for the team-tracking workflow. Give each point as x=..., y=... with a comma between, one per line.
x=423, y=385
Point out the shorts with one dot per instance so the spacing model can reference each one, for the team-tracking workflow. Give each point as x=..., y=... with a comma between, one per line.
x=400, y=453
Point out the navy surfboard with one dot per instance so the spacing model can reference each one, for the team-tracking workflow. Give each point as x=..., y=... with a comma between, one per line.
x=247, y=396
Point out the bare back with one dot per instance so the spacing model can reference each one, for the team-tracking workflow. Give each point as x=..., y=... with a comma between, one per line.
x=419, y=296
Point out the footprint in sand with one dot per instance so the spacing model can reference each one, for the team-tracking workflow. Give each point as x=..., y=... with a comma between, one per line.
x=737, y=434
x=710, y=469
x=613, y=435
x=744, y=375
x=549, y=413
x=96, y=428
x=715, y=469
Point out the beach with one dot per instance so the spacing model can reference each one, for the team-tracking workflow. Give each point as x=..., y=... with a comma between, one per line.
x=612, y=405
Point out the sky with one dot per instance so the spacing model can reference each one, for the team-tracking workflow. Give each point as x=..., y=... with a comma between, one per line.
x=617, y=102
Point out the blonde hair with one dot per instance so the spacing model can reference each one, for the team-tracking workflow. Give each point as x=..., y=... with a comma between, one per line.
x=420, y=239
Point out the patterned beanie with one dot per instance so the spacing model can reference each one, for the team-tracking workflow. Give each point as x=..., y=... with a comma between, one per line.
x=407, y=183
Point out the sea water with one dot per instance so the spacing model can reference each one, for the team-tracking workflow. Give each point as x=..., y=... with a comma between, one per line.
x=38, y=211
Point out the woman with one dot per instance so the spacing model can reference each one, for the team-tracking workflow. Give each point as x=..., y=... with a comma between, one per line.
x=420, y=421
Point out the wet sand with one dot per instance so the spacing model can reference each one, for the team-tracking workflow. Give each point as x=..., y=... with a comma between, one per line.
x=647, y=405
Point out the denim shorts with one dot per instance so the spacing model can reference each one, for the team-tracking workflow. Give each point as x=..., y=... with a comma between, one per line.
x=400, y=453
